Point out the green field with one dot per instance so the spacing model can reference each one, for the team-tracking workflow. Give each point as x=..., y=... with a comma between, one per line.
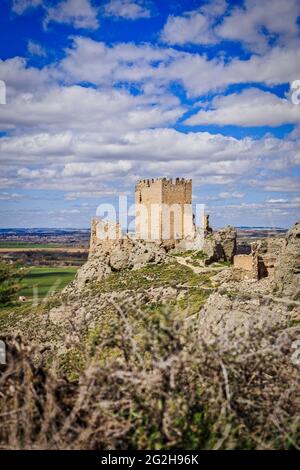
x=30, y=245
x=40, y=281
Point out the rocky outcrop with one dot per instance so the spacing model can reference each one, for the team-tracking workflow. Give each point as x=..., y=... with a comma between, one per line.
x=221, y=245
x=116, y=255
x=237, y=308
x=266, y=251
x=229, y=314
x=260, y=262
x=287, y=267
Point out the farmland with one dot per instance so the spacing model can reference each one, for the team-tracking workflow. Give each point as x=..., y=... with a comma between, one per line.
x=41, y=281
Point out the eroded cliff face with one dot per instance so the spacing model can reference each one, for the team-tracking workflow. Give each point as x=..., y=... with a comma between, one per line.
x=287, y=267
x=240, y=305
x=117, y=255
x=220, y=245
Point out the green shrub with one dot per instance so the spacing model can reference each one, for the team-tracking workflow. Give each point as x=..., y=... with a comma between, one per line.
x=10, y=276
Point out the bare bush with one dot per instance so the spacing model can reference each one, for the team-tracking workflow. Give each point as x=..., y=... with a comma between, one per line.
x=165, y=389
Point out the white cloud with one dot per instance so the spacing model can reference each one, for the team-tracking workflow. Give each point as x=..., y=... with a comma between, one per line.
x=277, y=201
x=34, y=48
x=95, y=62
x=200, y=75
x=20, y=6
x=283, y=184
x=94, y=194
x=128, y=9
x=58, y=107
x=18, y=77
x=4, y=196
x=190, y=28
x=231, y=195
x=95, y=169
x=75, y=160
x=81, y=14
x=194, y=27
x=84, y=140
x=36, y=174
x=257, y=23
x=251, y=107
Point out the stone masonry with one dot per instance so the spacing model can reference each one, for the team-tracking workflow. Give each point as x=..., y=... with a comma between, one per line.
x=164, y=209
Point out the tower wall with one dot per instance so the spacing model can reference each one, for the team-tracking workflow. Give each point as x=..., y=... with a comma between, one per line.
x=164, y=209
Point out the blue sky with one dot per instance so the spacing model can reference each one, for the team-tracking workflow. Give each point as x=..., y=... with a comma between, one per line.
x=100, y=94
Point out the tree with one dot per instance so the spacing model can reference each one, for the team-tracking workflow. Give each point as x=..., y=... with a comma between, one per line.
x=10, y=276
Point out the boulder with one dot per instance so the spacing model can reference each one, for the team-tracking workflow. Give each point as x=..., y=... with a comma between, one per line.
x=118, y=259
x=94, y=269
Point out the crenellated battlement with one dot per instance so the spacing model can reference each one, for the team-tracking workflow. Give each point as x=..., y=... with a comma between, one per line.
x=166, y=182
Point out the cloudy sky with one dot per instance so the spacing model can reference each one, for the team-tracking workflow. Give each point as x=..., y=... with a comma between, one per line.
x=100, y=94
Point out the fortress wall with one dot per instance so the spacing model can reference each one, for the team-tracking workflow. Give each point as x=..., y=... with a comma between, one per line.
x=164, y=209
x=178, y=191
x=103, y=234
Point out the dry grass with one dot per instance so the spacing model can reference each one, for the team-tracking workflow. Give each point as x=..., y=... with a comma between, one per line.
x=167, y=390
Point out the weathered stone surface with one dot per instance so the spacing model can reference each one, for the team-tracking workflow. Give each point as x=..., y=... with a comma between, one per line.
x=103, y=231
x=164, y=209
x=221, y=245
x=213, y=249
x=227, y=237
x=119, y=259
x=93, y=269
x=245, y=267
x=116, y=255
x=227, y=315
x=287, y=267
x=193, y=242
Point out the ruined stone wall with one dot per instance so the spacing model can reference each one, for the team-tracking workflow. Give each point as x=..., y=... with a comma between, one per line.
x=245, y=267
x=262, y=260
x=103, y=235
x=148, y=198
x=164, y=209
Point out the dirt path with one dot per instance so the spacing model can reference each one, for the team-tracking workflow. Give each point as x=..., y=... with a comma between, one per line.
x=197, y=269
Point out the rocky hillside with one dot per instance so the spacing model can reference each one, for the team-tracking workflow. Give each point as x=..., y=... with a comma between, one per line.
x=145, y=314
x=134, y=275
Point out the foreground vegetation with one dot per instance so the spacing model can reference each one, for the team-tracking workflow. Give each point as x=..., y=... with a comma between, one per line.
x=10, y=276
x=123, y=364
x=168, y=391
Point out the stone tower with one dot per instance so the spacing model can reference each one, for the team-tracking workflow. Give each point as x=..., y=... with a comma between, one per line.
x=164, y=209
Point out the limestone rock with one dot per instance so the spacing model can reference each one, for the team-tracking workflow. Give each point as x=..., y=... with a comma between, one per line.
x=213, y=249
x=287, y=267
x=227, y=238
x=93, y=269
x=116, y=255
x=225, y=316
x=118, y=259
x=221, y=245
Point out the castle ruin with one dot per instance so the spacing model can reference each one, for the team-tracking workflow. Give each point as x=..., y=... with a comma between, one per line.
x=164, y=209
x=163, y=214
